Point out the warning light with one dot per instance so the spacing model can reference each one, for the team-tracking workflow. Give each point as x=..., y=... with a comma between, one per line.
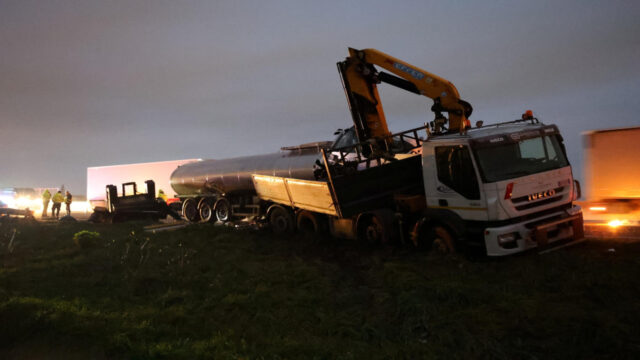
x=528, y=115
x=509, y=191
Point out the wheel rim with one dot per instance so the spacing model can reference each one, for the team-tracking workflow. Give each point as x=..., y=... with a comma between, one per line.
x=279, y=221
x=373, y=231
x=190, y=211
x=222, y=210
x=307, y=226
x=442, y=242
x=205, y=212
x=440, y=245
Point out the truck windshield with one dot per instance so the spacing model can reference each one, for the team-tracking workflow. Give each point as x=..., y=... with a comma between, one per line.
x=515, y=159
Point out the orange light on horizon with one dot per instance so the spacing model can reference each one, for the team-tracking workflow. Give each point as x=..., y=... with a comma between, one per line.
x=616, y=223
x=598, y=208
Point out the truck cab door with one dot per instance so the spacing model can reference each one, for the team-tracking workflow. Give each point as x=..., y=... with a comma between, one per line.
x=452, y=182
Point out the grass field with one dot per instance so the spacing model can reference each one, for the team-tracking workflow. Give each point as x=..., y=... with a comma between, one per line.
x=214, y=292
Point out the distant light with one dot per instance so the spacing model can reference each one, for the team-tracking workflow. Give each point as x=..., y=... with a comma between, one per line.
x=616, y=223
x=598, y=208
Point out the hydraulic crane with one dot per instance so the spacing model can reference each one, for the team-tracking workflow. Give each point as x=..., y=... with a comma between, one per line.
x=360, y=77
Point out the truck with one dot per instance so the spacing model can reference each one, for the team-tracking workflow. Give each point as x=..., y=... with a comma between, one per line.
x=502, y=188
x=612, y=177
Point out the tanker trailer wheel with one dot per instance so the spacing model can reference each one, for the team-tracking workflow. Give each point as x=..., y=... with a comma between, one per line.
x=223, y=210
x=205, y=210
x=190, y=210
x=280, y=220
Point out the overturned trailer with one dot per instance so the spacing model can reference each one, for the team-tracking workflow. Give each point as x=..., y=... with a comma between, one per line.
x=132, y=205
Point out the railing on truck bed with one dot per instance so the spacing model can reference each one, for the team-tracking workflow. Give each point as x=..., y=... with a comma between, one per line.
x=377, y=151
x=352, y=182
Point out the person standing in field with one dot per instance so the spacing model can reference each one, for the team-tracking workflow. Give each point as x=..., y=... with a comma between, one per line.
x=58, y=198
x=68, y=199
x=46, y=196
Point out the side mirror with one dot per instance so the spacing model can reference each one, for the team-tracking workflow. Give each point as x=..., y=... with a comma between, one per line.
x=577, y=190
x=338, y=132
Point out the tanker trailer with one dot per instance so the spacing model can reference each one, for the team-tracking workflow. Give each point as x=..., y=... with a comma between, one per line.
x=220, y=190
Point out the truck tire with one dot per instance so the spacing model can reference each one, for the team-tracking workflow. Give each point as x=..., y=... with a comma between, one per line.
x=190, y=210
x=280, y=220
x=371, y=230
x=223, y=210
x=310, y=223
x=441, y=240
x=97, y=217
x=206, y=212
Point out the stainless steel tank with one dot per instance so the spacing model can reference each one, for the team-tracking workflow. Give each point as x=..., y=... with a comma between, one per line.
x=231, y=176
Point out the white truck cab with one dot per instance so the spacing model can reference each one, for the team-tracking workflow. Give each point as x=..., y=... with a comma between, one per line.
x=507, y=187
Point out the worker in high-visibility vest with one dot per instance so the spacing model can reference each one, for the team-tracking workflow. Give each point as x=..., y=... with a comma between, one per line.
x=162, y=195
x=68, y=199
x=46, y=196
x=58, y=198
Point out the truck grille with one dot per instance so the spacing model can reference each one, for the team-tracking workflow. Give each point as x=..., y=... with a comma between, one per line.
x=523, y=203
x=538, y=203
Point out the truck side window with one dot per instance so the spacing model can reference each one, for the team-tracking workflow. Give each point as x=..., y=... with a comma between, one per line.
x=455, y=169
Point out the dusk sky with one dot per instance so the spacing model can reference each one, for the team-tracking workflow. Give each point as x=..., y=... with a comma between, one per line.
x=91, y=83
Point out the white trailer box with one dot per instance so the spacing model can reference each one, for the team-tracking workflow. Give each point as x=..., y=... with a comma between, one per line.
x=100, y=176
x=612, y=176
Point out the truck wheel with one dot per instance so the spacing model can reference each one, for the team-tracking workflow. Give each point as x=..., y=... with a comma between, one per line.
x=280, y=220
x=441, y=240
x=223, y=210
x=310, y=223
x=190, y=210
x=205, y=211
x=371, y=230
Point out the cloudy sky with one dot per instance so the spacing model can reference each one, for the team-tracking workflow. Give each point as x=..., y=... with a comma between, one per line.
x=89, y=83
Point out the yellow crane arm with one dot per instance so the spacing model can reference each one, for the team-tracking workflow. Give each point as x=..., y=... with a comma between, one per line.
x=359, y=77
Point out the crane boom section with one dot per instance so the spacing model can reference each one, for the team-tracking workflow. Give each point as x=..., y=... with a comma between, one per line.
x=360, y=78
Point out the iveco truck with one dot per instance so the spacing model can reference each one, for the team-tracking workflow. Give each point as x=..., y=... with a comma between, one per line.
x=502, y=188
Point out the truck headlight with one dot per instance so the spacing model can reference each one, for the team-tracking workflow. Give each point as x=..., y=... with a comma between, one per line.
x=505, y=239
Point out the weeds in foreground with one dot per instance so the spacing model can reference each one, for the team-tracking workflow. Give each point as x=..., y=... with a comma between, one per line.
x=209, y=292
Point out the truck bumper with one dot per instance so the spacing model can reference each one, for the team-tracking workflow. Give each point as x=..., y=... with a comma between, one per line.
x=535, y=233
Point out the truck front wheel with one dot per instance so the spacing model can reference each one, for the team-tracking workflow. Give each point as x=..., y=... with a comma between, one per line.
x=441, y=240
